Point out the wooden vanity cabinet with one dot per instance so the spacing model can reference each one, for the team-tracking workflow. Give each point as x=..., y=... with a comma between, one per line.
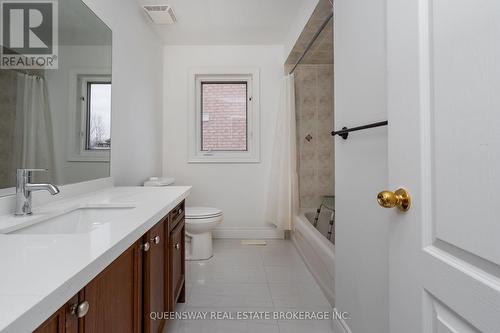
x=111, y=302
x=177, y=268
x=148, y=277
x=155, y=260
x=114, y=296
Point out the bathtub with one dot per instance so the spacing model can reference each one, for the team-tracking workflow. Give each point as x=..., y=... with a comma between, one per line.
x=316, y=250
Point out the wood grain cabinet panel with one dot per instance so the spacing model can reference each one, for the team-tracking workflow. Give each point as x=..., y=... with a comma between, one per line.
x=154, y=277
x=114, y=296
x=177, y=266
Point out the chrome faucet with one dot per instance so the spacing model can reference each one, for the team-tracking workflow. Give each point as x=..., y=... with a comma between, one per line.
x=24, y=187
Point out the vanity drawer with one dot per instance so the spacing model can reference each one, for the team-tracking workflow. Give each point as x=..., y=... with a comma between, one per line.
x=177, y=214
x=177, y=267
x=154, y=276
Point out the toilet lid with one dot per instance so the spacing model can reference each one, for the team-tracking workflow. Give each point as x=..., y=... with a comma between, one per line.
x=202, y=212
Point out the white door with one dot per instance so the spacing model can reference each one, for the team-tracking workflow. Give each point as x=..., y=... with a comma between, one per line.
x=444, y=148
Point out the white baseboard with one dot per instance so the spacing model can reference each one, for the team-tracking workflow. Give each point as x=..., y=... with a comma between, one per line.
x=248, y=233
x=339, y=325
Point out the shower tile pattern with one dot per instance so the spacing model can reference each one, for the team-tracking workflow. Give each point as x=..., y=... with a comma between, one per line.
x=321, y=51
x=7, y=121
x=314, y=111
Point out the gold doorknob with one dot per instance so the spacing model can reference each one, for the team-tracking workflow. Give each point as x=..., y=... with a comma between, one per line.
x=400, y=198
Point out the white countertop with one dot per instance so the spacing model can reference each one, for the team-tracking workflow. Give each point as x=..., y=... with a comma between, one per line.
x=40, y=273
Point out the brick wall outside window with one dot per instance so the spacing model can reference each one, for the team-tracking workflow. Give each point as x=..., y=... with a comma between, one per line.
x=224, y=116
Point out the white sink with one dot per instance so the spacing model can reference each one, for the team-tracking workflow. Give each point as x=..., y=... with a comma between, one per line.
x=77, y=221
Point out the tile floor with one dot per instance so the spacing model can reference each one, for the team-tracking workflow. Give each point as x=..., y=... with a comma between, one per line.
x=251, y=278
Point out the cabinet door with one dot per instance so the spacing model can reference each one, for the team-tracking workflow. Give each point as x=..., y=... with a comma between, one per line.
x=63, y=321
x=154, y=277
x=114, y=296
x=177, y=268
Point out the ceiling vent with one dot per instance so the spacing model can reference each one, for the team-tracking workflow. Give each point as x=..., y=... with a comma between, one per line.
x=161, y=14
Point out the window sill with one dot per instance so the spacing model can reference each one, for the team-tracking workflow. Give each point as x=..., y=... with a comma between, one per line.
x=102, y=157
x=224, y=159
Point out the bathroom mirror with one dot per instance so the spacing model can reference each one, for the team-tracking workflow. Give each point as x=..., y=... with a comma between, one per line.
x=59, y=119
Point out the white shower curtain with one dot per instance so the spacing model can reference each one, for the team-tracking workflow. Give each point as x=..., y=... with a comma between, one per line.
x=33, y=145
x=282, y=201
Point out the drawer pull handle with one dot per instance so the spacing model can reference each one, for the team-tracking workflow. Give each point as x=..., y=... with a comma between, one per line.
x=156, y=240
x=179, y=212
x=80, y=310
x=177, y=246
x=145, y=247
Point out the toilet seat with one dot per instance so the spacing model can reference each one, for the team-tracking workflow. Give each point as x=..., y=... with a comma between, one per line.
x=198, y=213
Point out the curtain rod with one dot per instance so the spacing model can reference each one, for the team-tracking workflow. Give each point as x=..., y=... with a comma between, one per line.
x=32, y=72
x=344, y=132
x=316, y=35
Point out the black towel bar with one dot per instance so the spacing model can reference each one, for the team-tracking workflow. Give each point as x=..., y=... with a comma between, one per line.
x=344, y=132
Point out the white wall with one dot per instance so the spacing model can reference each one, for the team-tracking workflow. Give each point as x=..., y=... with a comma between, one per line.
x=70, y=58
x=137, y=91
x=238, y=189
x=361, y=263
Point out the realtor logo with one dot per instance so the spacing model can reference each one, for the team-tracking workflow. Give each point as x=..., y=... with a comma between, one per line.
x=29, y=35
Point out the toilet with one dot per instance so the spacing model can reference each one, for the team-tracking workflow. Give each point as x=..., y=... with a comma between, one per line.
x=200, y=221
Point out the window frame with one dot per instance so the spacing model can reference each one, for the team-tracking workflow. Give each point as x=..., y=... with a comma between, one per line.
x=77, y=122
x=86, y=81
x=250, y=76
x=247, y=106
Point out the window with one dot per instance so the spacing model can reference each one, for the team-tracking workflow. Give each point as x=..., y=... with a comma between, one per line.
x=224, y=116
x=89, y=118
x=98, y=115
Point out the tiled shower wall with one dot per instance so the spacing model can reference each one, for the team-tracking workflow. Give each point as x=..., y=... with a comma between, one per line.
x=314, y=110
x=7, y=120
